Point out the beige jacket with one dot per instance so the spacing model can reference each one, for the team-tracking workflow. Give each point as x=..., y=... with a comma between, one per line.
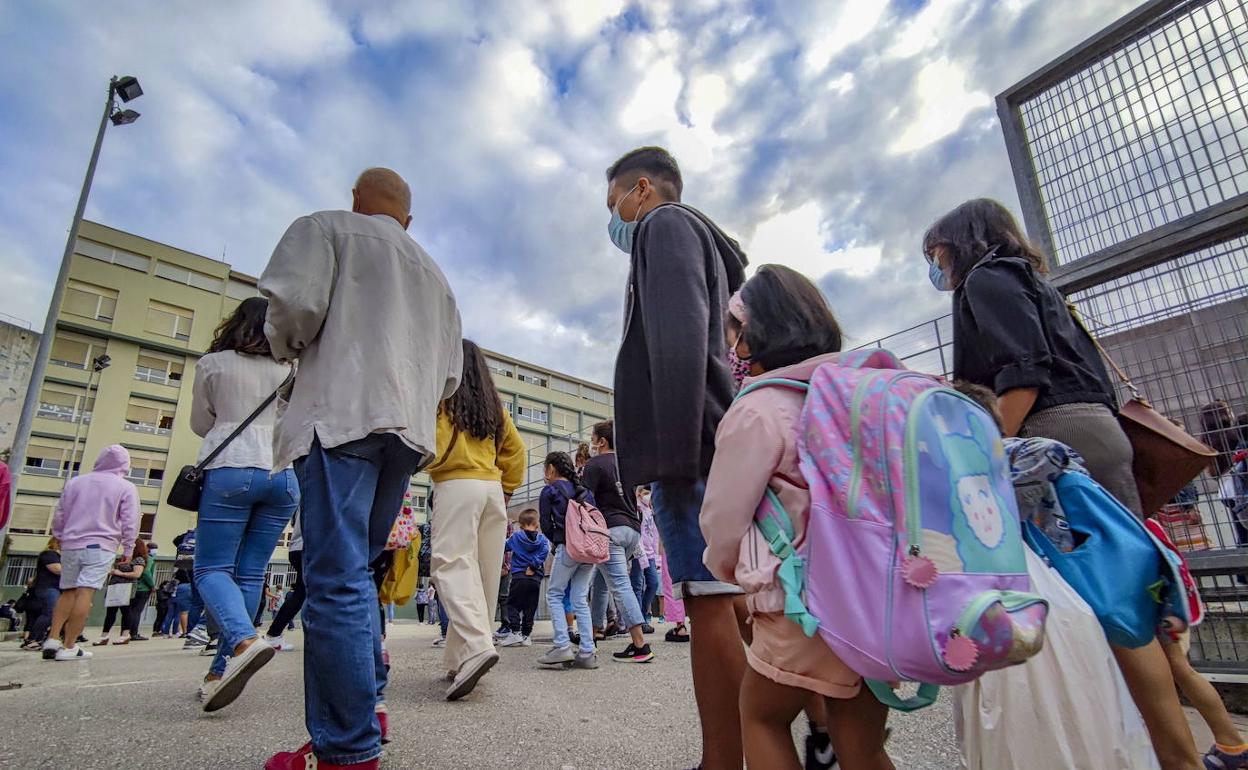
x=373, y=323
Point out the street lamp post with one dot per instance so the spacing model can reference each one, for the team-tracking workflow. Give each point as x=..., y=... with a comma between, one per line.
x=98, y=364
x=127, y=88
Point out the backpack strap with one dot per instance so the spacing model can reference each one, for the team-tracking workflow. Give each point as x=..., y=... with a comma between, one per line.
x=774, y=382
x=925, y=697
x=777, y=530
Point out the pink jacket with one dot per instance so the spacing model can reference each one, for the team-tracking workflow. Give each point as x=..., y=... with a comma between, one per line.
x=756, y=448
x=101, y=507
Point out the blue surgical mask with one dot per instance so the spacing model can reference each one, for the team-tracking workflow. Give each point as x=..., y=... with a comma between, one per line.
x=939, y=278
x=622, y=232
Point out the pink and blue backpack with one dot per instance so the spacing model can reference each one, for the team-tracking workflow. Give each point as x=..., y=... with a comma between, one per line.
x=912, y=567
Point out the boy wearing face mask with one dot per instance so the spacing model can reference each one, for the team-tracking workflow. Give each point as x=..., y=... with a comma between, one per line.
x=529, y=549
x=672, y=386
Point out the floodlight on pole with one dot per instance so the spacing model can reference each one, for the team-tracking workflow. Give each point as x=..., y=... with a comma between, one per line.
x=125, y=87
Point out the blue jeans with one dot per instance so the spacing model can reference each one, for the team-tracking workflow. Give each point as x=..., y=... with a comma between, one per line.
x=181, y=602
x=444, y=620
x=645, y=585
x=195, y=605
x=351, y=496
x=624, y=541
x=241, y=517
x=572, y=578
x=677, y=505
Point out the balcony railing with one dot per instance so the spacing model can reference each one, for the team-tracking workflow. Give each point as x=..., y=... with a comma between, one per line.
x=139, y=427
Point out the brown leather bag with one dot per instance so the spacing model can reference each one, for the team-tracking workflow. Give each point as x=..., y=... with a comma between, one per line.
x=1166, y=456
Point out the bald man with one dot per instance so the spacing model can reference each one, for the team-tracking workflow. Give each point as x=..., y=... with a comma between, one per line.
x=373, y=324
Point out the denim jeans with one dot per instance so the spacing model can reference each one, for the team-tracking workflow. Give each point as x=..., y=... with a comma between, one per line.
x=241, y=517
x=351, y=496
x=571, y=577
x=444, y=620
x=624, y=541
x=645, y=585
x=181, y=602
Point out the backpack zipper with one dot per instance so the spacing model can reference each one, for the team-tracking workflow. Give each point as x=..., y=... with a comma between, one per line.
x=855, y=419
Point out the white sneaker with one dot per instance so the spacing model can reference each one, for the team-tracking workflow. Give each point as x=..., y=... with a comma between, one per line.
x=440, y=642
x=207, y=688
x=72, y=653
x=511, y=640
x=51, y=647
x=526, y=641
x=498, y=635
x=198, y=634
x=278, y=643
x=240, y=668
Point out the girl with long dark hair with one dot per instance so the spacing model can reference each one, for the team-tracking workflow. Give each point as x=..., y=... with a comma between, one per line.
x=245, y=506
x=1014, y=334
x=481, y=461
x=567, y=577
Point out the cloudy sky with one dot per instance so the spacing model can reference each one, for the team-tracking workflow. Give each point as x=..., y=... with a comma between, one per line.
x=825, y=134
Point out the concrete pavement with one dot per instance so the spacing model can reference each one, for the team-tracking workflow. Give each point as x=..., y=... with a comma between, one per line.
x=133, y=707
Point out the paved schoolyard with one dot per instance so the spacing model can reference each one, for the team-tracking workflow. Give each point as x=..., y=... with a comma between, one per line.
x=133, y=707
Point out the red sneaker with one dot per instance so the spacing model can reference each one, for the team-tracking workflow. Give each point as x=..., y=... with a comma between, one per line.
x=383, y=719
x=304, y=759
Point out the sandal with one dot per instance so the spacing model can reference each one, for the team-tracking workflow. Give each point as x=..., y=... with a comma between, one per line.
x=103, y=641
x=120, y=642
x=675, y=635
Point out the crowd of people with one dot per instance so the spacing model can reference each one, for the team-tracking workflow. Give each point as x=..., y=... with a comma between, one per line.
x=387, y=386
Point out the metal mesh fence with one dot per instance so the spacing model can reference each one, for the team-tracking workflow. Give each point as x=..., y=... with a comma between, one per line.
x=1153, y=130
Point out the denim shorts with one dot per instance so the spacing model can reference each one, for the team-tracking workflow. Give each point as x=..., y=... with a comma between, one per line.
x=677, y=505
x=85, y=567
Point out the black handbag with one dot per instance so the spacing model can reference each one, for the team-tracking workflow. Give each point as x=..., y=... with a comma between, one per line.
x=189, y=485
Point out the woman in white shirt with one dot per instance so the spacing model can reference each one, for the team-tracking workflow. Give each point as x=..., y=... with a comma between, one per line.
x=245, y=506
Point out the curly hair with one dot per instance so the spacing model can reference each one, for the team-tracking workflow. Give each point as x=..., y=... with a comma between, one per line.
x=243, y=331
x=475, y=408
x=562, y=463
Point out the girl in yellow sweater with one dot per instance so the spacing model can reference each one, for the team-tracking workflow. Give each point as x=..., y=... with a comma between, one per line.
x=481, y=461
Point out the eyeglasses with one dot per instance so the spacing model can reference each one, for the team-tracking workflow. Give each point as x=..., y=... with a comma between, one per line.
x=930, y=253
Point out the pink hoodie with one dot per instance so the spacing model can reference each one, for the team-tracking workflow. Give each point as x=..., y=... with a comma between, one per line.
x=101, y=507
x=756, y=448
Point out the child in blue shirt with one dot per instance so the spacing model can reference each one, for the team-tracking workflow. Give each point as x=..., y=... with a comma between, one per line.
x=529, y=550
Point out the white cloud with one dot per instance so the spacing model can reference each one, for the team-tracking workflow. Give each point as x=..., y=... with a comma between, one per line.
x=798, y=239
x=944, y=102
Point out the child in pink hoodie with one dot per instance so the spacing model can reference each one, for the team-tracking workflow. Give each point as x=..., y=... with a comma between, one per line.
x=788, y=331
x=98, y=513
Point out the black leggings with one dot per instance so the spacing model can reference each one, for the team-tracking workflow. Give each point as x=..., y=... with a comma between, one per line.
x=294, y=600
x=130, y=614
x=522, y=604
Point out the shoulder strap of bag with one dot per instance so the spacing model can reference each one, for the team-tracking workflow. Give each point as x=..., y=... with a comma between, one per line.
x=1126, y=381
x=242, y=426
x=778, y=531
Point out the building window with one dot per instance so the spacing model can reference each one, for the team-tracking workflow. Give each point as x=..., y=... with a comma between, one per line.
x=532, y=414
x=18, y=570
x=420, y=501
x=597, y=396
x=159, y=368
x=65, y=403
x=89, y=301
x=113, y=256
x=531, y=377
x=189, y=277
x=146, y=416
x=500, y=368
x=565, y=386
x=240, y=290
x=31, y=515
x=48, y=459
x=75, y=350
x=146, y=471
x=564, y=420
x=169, y=320
x=147, y=522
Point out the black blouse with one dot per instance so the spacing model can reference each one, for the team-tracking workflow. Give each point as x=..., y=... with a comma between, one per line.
x=1012, y=329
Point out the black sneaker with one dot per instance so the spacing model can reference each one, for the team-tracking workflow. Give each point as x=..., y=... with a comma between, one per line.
x=819, y=753
x=634, y=654
x=646, y=628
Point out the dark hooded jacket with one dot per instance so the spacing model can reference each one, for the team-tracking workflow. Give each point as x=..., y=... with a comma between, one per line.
x=672, y=379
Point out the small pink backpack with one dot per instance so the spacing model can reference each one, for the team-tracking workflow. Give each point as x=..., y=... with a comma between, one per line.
x=585, y=530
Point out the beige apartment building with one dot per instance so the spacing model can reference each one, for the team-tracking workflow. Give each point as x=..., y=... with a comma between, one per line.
x=152, y=310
